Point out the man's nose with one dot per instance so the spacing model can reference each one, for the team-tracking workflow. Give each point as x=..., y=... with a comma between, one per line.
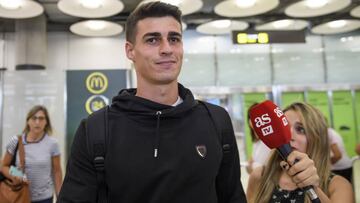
x=165, y=47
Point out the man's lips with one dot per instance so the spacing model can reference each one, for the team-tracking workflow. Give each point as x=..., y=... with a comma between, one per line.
x=165, y=62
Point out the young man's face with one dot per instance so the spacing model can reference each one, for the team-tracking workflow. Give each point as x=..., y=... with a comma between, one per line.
x=157, y=52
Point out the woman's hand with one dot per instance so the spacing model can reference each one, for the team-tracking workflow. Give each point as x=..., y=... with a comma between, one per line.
x=303, y=172
x=15, y=180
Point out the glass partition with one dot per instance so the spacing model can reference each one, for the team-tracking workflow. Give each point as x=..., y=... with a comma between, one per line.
x=320, y=100
x=342, y=57
x=1, y=109
x=242, y=65
x=288, y=98
x=344, y=119
x=298, y=63
x=198, y=68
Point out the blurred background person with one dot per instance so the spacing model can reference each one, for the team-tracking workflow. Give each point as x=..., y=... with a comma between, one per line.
x=279, y=182
x=357, y=149
x=42, y=157
x=260, y=152
x=341, y=163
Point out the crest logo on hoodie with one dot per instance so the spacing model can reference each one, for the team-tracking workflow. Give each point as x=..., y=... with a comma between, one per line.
x=201, y=150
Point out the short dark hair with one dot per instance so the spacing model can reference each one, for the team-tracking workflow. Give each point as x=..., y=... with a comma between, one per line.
x=148, y=10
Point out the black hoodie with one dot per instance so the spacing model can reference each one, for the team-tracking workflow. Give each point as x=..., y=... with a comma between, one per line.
x=152, y=156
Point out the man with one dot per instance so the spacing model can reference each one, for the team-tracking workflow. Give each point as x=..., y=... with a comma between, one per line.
x=162, y=146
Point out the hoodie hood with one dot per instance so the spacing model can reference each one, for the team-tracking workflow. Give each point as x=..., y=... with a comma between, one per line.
x=126, y=101
x=151, y=112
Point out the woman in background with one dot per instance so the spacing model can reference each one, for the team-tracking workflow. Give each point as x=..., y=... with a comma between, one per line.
x=340, y=164
x=278, y=182
x=42, y=157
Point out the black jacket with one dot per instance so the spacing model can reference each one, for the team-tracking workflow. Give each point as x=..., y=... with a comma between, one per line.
x=177, y=174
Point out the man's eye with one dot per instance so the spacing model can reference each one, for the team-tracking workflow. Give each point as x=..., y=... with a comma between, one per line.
x=152, y=40
x=175, y=39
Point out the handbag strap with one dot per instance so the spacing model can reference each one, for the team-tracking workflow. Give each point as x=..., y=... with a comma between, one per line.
x=13, y=160
x=21, y=153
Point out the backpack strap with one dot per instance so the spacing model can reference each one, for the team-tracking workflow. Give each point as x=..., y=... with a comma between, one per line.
x=222, y=124
x=97, y=134
x=224, y=133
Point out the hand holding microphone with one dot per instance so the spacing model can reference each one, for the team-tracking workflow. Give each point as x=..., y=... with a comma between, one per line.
x=272, y=127
x=304, y=172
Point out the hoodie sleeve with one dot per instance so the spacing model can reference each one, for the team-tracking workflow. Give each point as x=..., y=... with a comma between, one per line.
x=80, y=180
x=228, y=185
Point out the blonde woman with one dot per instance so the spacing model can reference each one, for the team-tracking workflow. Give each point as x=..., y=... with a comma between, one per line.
x=42, y=157
x=279, y=182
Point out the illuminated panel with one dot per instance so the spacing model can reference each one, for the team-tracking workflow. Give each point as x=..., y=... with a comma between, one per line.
x=266, y=37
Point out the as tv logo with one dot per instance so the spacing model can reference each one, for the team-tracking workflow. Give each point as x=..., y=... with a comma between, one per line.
x=267, y=130
x=262, y=120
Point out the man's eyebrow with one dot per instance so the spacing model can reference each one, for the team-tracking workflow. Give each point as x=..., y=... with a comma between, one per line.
x=152, y=34
x=174, y=34
x=157, y=34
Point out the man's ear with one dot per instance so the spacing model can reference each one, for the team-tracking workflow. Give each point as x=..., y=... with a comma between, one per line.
x=129, y=49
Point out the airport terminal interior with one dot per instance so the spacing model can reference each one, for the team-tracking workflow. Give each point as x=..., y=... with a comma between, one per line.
x=69, y=56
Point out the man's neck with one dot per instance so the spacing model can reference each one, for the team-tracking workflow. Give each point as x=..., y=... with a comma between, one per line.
x=163, y=94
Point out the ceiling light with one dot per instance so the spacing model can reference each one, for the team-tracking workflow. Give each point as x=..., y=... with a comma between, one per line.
x=96, y=25
x=314, y=4
x=282, y=23
x=96, y=28
x=11, y=4
x=173, y=2
x=337, y=24
x=221, y=23
x=91, y=4
x=245, y=3
x=185, y=6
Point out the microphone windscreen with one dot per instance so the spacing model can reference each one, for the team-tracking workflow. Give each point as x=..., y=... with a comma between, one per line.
x=270, y=124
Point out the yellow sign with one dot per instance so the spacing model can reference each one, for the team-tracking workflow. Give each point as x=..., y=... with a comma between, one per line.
x=96, y=83
x=260, y=38
x=96, y=102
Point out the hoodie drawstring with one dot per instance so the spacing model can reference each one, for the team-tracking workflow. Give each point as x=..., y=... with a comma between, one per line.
x=157, y=136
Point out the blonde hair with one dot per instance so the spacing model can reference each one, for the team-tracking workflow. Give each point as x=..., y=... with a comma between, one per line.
x=317, y=149
x=32, y=112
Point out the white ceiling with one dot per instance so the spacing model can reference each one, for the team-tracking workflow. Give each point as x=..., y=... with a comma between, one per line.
x=58, y=21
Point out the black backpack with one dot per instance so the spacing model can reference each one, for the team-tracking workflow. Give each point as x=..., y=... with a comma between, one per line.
x=97, y=135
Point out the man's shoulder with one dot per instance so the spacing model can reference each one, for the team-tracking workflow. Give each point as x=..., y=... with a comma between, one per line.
x=98, y=113
x=213, y=107
x=216, y=110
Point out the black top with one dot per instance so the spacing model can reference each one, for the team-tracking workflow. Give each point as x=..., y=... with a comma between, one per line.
x=178, y=174
x=286, y=196
x=290, y=196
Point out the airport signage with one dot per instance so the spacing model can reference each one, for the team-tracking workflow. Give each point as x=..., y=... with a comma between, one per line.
x=88, y=91
x=267, y=37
